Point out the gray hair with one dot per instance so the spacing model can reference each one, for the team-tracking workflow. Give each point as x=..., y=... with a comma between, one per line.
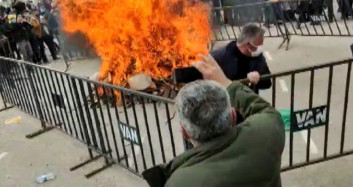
x=204, y=109
x=249, y=32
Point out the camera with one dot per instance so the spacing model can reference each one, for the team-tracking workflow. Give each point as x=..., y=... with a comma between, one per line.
x=186, y=75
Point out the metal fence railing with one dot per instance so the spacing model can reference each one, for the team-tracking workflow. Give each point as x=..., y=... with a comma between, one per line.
x=137, y=131
x=281, y=19
x=123, y=126
x=318, y=104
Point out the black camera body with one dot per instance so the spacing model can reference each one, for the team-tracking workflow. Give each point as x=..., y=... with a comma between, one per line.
x=186, y=75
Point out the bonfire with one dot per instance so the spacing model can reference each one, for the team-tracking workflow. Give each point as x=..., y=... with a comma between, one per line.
x=140, y=36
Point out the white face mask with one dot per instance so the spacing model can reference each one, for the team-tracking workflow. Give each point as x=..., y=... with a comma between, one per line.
x=258, y=51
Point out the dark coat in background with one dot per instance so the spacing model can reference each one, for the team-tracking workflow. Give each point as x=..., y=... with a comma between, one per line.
x=228, y=61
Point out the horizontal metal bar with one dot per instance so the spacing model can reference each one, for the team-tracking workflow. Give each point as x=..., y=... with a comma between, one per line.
x=301, y=70
x=328, y=35
x=315, y=161
x=159, y=98
x=118, y=88
x=254, y=4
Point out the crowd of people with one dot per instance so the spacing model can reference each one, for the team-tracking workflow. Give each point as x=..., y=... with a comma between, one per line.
x=296, y=10
x=27, y=29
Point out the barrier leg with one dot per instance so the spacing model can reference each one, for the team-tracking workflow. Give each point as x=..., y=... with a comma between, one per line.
x=39, y=108
x=3, y=100
x=86, y=161
x=286, y=39
x=92, y=158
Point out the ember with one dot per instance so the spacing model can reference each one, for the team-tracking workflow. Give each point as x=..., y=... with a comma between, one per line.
x=140, y=36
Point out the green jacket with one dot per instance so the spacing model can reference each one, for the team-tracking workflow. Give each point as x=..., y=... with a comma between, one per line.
x=247, y=155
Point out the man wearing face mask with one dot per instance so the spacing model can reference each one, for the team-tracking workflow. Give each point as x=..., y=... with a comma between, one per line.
x=243, y=58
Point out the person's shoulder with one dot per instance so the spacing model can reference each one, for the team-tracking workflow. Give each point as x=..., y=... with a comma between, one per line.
x=183, y=177
x=220, y=52
x=231, y=44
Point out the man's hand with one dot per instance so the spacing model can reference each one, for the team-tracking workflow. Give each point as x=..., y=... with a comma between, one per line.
x=211, y=70
x=21, y=19
x=254, y=77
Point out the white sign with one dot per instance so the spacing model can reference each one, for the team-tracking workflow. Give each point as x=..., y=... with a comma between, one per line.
x=129, y=133
x=309, y=118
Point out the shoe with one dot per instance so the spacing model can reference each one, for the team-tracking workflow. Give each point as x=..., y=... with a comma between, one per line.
x=56, y=58
x=315, y=23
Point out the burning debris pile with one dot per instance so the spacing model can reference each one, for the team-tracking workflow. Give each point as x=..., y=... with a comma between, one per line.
x=140, y=36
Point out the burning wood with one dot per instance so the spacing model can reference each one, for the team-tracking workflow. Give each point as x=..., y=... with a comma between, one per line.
x=140, y=36
x=140, y=82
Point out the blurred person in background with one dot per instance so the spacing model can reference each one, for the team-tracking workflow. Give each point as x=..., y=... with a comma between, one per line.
x=310, y=11
x=346, y=8
x=33, y=33
x=22, y=29
x=31, y=6
x=7, y=30
x=5, y=49
x=239, y=14
x=47, y=38
x=225, y=153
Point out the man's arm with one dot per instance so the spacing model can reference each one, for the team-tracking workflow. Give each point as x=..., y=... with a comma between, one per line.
x=242, y=98
x=247, y=102
x=261, y=119
x=263, y=69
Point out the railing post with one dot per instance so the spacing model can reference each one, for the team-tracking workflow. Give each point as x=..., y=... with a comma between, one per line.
x=39, y=108
x=2, y=95
x=3, y=98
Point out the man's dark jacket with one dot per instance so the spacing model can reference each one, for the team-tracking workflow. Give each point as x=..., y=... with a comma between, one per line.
x=246, y=155
x=22, y=31
x=227, y=59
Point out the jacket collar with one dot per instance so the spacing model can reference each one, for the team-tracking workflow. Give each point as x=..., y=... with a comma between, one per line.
x=157, y=176
x=206, y=150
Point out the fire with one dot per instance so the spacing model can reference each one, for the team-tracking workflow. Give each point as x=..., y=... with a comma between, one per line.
x=135, y=36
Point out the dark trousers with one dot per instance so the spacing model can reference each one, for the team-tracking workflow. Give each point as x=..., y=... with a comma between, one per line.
x=329, y=5
x=15, y=49
x=48, y=40
x=35, y=48
x=346, y=7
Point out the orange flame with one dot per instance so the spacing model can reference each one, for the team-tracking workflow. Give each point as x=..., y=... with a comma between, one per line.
x=134, y=36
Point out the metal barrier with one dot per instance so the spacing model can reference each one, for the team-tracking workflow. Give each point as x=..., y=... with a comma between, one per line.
x=280, y=19
x=315, y=102
x=140, y=132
